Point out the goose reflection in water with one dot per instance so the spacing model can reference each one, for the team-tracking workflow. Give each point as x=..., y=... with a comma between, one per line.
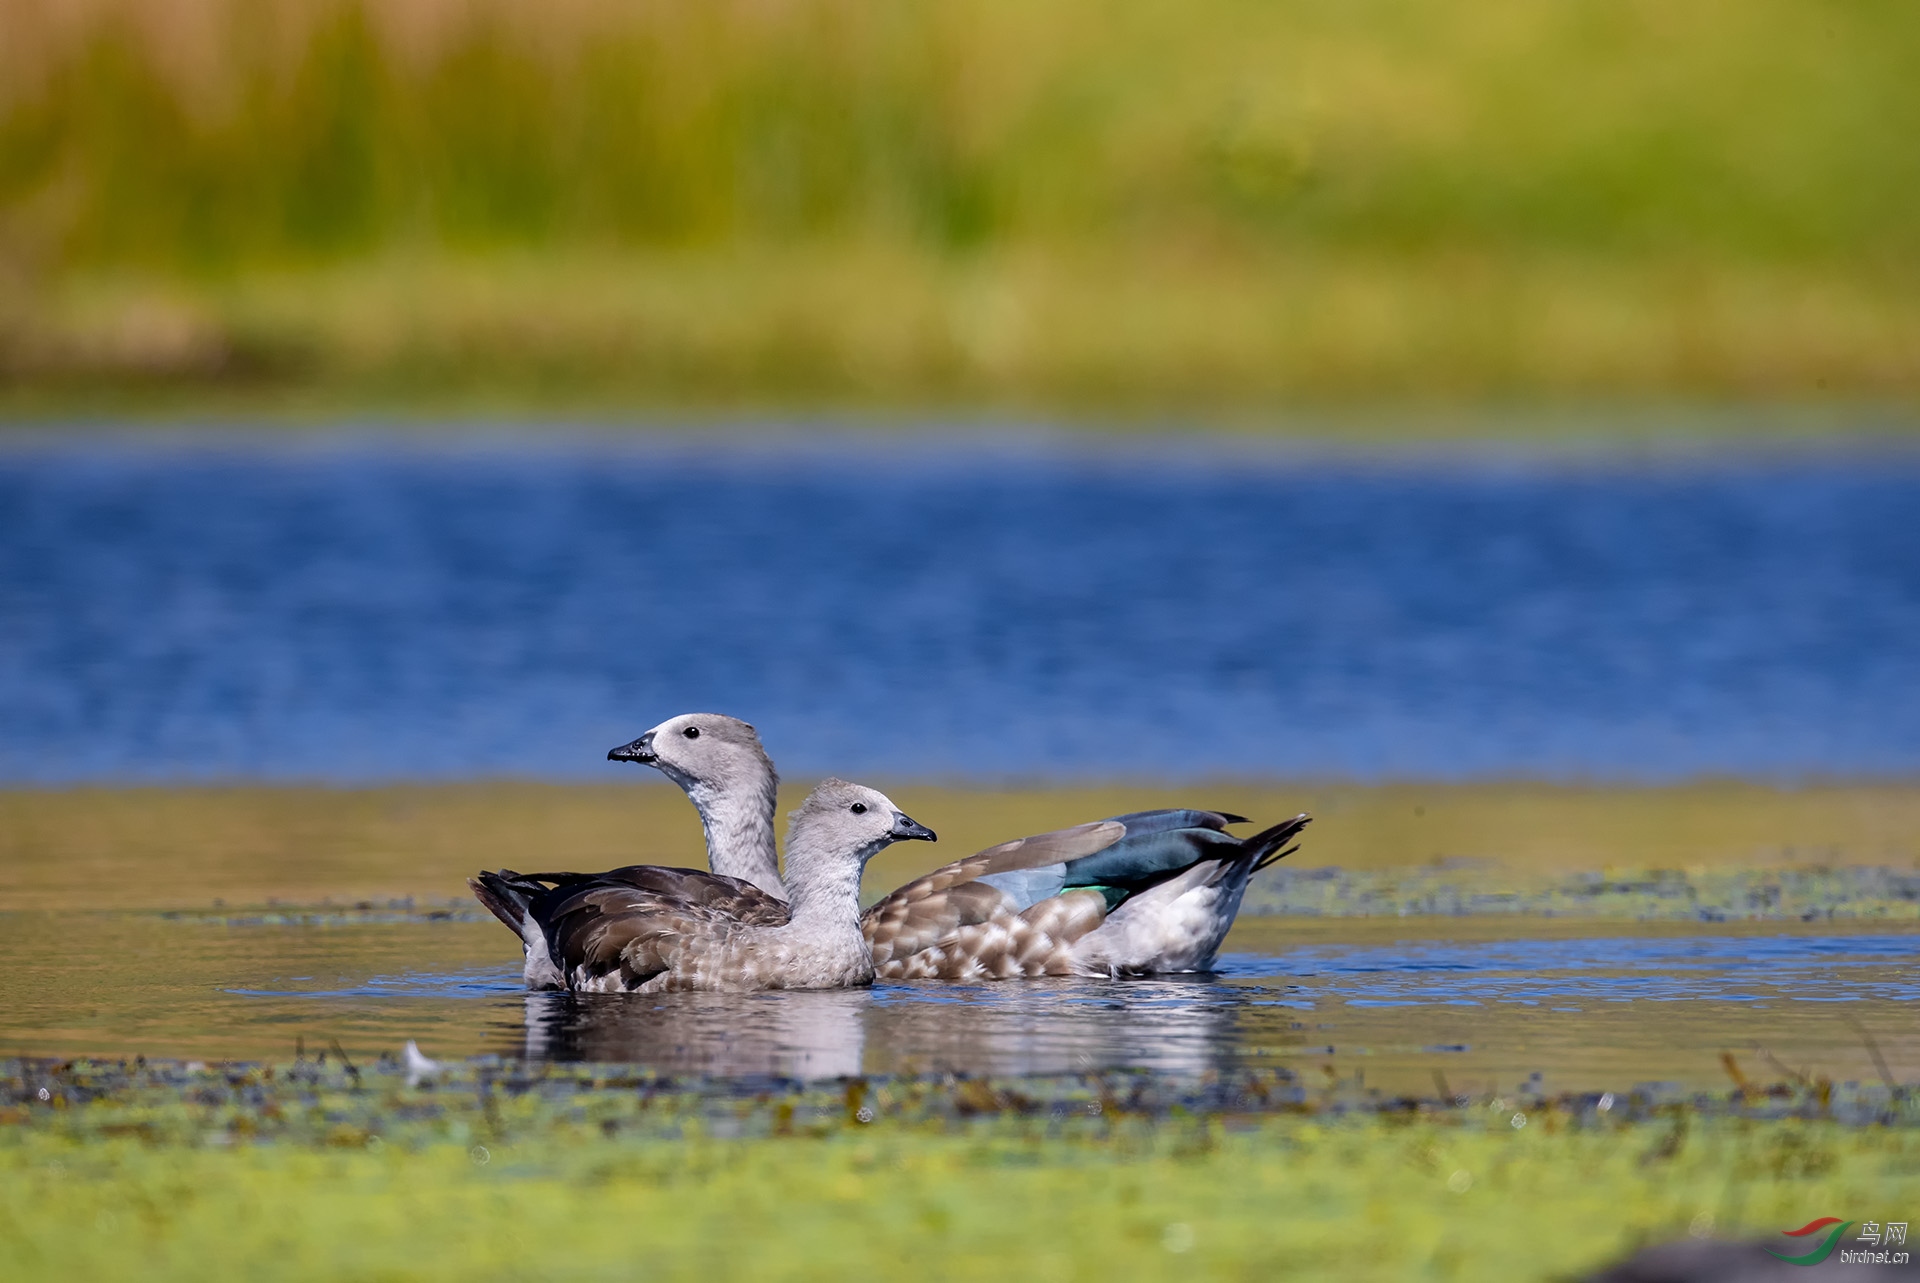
x=1032, y=1027
x=789, y=1033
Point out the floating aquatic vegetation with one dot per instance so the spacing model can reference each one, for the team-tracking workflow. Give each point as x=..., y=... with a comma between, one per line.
x=329, y=1100
x=1470, y=889
x=1454, y=889
x=359, y=913
x=491, y=1168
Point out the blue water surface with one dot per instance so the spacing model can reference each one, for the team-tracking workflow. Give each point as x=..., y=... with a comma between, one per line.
x=350, y=610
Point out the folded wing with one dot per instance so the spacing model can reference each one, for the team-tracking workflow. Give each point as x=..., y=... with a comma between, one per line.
x=578, y=927
x=1168, y=881
x=995, y=885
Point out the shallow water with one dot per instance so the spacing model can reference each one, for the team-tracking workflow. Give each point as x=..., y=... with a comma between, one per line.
x=350, y=611
x=1485, y=1005
x=344, y=612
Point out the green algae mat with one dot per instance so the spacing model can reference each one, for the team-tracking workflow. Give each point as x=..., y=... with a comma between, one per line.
x=326, y=1169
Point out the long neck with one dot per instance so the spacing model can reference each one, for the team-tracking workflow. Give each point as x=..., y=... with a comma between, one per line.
x=825, y=886
x=739, y=826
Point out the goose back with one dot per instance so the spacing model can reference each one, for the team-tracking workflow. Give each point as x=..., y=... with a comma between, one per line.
x=1144, y=893
x=931, y=908
x=576, y=924
x=1178, y=924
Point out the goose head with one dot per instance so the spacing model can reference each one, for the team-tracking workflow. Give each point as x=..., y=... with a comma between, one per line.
x=701, y=750
x=841, y=821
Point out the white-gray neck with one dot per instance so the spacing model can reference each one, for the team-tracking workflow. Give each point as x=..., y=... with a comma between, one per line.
x=824, y=880
x=739, y=825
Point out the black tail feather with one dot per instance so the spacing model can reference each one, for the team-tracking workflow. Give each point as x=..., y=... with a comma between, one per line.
x=1269, y=846
x=1274, y=858
x=506, y=895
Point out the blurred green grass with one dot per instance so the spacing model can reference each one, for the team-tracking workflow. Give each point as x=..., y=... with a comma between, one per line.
x=1061, y=205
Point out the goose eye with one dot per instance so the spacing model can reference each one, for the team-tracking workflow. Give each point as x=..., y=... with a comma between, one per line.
x=692, y=732
x=859, y=808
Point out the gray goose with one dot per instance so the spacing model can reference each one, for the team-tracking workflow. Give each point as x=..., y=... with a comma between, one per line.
x=734, y=789
x=1153, y=892
x=646, y=934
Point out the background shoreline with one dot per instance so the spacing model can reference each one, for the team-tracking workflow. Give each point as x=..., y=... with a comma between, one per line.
x=157, y=847
x=1374, y=435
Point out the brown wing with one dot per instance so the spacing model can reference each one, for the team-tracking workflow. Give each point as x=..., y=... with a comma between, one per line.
x=655, y=945
x=589, y=923
x=731, y=896
x=933, y=907
x=738, y=900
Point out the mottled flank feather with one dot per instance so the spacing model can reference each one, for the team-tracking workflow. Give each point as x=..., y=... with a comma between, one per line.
x=672, y=952
x=1037, y=942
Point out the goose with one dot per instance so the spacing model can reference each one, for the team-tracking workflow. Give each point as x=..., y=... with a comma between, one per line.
x=734, y=789
x=1148, y=893
x=614, y=934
